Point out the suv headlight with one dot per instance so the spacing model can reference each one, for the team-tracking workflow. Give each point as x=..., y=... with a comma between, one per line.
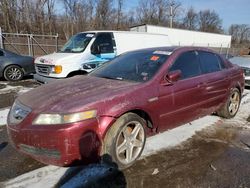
x=57, y=69
x=53, y=119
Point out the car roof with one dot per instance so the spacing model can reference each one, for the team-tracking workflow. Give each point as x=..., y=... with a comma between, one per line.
x=174, y=48
x=9, y=53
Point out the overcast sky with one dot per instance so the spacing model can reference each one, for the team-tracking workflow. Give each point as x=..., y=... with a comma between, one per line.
x=230, y=11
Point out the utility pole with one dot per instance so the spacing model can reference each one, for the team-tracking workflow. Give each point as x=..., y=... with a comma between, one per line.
x=171, y=15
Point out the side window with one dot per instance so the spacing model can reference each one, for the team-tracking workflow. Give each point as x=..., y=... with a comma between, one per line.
x=188, y=64
x=209, y=62
x=221, y=62
x=104, y=41
x=1, y=53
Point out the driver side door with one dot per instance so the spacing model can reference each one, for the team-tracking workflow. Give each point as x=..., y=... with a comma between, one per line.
x=181, y=101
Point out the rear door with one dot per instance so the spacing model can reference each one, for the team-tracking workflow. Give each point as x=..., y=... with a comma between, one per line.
x=217, y=79
x=180, y=102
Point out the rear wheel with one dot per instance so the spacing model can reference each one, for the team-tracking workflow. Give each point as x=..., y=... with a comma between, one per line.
x=13, y=73
x=125, y=140
x=231, y=107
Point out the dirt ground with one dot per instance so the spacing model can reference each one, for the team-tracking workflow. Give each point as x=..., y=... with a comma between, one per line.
x=218, y=156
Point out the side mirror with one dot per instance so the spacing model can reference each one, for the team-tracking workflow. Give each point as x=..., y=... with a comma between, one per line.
x=96, y=49
x=171, y=77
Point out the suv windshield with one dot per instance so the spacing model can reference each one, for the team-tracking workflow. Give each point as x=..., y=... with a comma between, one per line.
x=77, y=43
x=138, y=66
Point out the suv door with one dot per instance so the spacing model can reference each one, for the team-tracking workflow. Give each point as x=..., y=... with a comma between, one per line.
x=180, y=102
x=217, y=79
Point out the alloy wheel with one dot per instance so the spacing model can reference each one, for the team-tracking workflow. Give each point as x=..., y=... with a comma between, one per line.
x=234, y=103
x=130, y=142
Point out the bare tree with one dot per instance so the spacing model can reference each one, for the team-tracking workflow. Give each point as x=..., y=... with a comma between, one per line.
x=240, y=33
x=119, y=13
x=103, y=13
x=190, y=20
x=209, y=21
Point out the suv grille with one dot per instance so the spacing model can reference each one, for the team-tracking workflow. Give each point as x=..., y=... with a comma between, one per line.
x=43, y=69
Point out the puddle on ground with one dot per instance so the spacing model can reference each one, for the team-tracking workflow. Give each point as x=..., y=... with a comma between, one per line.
x=25, y=83
x=2, y=86
x=7, y=99
x=248, y=119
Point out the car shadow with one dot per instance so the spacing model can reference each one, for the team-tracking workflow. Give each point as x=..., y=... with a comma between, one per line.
x=93, y=170
x=96, y=175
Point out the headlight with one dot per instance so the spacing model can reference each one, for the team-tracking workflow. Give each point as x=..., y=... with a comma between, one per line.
x=18, y=113
x=57, y=69
x=53, y=119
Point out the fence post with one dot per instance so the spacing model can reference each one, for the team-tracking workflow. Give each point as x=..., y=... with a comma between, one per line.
x=1, y=38
x=28, y=38
x=227, y=50
x=220, y=48
x=57, y=42
x=32, y=47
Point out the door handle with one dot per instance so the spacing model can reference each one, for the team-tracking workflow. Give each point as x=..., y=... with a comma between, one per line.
x=201, y=85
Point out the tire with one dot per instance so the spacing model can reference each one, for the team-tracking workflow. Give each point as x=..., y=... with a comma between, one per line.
x=125, y=140
x=231, y=107
x=13, y=73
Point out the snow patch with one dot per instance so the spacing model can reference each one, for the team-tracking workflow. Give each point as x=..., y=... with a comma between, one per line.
x=3, y=116
x=175, y=136
x=43, y=177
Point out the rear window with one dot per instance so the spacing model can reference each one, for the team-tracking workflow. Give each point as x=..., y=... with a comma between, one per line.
x=209, y=62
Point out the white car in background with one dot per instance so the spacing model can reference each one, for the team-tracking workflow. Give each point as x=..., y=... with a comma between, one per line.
x=244, y=63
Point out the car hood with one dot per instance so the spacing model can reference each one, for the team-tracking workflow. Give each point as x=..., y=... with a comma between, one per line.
x=241, y=61
x=55, y=57
x=73, y=94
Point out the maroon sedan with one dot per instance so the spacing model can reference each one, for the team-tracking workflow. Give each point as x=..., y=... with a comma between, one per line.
x=112, y=110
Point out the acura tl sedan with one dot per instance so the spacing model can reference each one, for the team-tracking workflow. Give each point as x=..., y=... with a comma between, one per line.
x=111, y=111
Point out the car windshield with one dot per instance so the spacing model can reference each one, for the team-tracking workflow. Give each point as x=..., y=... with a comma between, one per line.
x=138, y=66
x=77, y=43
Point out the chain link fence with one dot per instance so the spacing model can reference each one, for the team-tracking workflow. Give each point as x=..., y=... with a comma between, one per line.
x=37, y=45
x=30, y=44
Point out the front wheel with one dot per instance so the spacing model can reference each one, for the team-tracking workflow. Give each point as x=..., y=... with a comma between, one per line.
x=231, y=107
x=125, y=140
x=13, y=73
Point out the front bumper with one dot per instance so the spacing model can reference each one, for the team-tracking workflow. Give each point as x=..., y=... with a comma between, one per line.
x=76, y=143
x=44, y=79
